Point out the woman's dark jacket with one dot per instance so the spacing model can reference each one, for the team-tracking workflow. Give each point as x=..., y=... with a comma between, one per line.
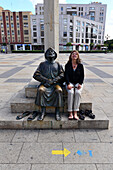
x=72, y=76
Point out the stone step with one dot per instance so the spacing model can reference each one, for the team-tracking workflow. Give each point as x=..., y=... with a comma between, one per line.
x=21, y=104
x=8, y=121
x=31, y=91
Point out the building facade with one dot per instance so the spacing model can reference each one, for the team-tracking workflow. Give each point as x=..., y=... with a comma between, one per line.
x=80, y=24
x=15, y=29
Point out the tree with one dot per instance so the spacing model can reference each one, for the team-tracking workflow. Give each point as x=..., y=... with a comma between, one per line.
x=69, y=44
x=91, y=46
x=98, y=46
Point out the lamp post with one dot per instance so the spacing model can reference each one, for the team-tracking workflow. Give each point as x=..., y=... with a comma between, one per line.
x=107, y=37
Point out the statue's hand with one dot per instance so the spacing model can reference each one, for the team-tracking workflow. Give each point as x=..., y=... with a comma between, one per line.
x=47, y=84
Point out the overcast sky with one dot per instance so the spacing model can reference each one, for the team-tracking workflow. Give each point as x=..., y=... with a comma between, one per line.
x=28, y=5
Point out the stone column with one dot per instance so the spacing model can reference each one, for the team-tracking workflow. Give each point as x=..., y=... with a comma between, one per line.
x=51, y=24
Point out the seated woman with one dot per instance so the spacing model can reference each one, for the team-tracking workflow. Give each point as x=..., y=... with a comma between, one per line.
x=74, y=77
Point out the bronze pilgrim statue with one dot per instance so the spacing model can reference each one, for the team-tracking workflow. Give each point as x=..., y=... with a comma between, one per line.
x=49, y=93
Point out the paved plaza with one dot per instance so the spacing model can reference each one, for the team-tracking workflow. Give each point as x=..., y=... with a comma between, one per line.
x=32, y=149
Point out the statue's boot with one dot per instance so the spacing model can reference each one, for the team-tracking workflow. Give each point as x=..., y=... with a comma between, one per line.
x=43, y=110
x=57, y=114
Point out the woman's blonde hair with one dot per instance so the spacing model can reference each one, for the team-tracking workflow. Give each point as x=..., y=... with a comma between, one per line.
x=78, y=59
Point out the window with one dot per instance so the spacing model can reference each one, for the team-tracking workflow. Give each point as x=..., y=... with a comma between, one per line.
x=42, y=40
x=17, y=17
x=71, y=28
x=34, y=34
x=71, y=34
x=8, y=32
x=101, y=9
x=61, y=8
x=87, y=40
x=0, y=18
x=78, y=29
x=77, y=40
x=65, y=20
x=1, y=25
x=11, y=18
x=65, y=34
x=78, y=23
x=81, y=13
x=34, y=40
x=83, y=24
x=7, y=18
x=42, y=26
x=92, y=13
x=81, y=8
x=77, y=34
x=25, y=17
x=101, y=14
x=2, y=32
x=100, y=27
x=65, y=27
x=7, y=25
x=92, y=8
x=18, y=32
x=12, y=25
x=92, y=18
x=65, y=40
x=26, y=32
x=82, y=35
x=34, y=27
x=26, y=25
x=42, y=33
x=82, y=29
x=17, y=25
x=34, y=21
x=41, y=20
x=99, y=37
x=12, y=32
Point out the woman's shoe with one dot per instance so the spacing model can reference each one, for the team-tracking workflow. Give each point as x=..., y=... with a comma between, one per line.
x=82, y=117
x=33, y=116
x=81, y=114
x=27, y=113
x=89, y=114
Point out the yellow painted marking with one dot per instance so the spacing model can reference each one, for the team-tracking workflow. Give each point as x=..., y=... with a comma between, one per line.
x=64, y=152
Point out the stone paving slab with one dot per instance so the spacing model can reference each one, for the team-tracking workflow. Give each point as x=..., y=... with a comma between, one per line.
x=9, y=152
x=104, y=166
x=101, y=153
x=15, y=167
x=40, y=153
x=63, y=166
x=56, y=136
x=86, y=136
x=29, y=136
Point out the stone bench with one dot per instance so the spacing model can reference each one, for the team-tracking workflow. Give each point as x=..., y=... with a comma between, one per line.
x=25, y=100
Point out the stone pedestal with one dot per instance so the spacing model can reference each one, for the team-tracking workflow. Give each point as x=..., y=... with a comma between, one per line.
x=51, y=24
x=25, y=100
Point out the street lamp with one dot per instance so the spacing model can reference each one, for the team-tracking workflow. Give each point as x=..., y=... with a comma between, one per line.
x=107, y=37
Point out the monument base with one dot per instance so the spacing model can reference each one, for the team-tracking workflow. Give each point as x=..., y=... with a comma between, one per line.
x=25, y=100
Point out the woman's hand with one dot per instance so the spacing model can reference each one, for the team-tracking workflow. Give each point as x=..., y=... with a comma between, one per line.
x=79, y=86
x=69, y=87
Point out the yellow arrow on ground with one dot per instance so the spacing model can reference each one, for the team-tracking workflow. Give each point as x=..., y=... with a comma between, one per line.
x=61, y=152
